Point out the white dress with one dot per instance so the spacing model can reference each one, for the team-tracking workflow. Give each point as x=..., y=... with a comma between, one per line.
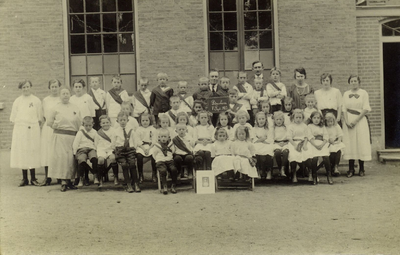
x=144, y=136
x=357, y=139
x=280, y=135
x=48, y=104
x=132, y=123
x=222, y=154
x=25, y=146
x=328, y=99
x=104, y=147
x=318, y=131
x=203, y=132
x=335, y=132
x=266, y=147
x=242, y=150
x=61, y=162
x=85, y=104
x=299, y=132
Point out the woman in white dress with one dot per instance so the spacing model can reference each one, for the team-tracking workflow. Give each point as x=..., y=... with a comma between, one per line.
x=48, y=104
x=26, y=114
x=356, y=132
x=329, y=99
x=65, y=119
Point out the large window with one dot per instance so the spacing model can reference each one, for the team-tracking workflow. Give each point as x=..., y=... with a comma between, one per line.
x=240, y=32
x=102, y=41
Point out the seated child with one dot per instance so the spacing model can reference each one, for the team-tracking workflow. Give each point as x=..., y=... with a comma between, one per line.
x=186, y=100
x=175, y=103
x=99, y=98
x=265, y=107
x=276, y=90
x=159, y=98
x=281, y=151
x=287, y=110
x=125, y=152
x=203, y=92
x=259, y=94
x=198, y=106
x=165, y=122
x=242, y=116
x=244, y=153
x=263, y=145
x=114, y=99
x=163, y=155
x=84, y=148
x=104, y=148
x=203, y=141
x=335, y=142
x=142, y=99
x=146, y=137
x=246, y=93
x=234, y=106
x=221, y=152
x=184, y=150
x=224, y=122
x=128, y=108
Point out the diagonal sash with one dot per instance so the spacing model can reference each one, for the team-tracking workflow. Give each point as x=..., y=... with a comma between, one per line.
x=159, y=92
x=95, y=100
x=87, y=135
x=182, y=97
x=103, y=135
x=178, y=142
x=115, y=95
x=141, y=99
x=275, y=86
x=173, y=116
x=241, y=88
x=236, y=107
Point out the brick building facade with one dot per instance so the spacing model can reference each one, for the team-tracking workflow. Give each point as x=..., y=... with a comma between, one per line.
x=172, y=36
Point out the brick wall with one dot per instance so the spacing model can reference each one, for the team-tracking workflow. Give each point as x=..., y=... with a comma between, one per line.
x=31, y=47
x=171, y=40
x=369, y=66
x=321, y=37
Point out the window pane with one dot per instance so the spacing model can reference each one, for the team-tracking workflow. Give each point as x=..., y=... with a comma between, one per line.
x=126, y=42
x=266, y=40
x=251, y=40
x=124, y=5
x=93, y=23
x=386, y=31
x=109, y=6
x=267, y=58
x=250, y=5
x=125, y=22
x=264, y=20
x=231, y=41
x=127, y=63
x=92, y=6
x=232, y=61
x=129, y=83
x=110, y=43
x=217, y=60
x=78, y=65
x=229, y=5
x=215, y=21
x=77, y=44
x=95, y=64
x=94, y=43
x=77, y=24
x=214, y=5
x=232, y=77
x=230, y=22
x=264, y=4
x=249, y=57
x=250, y=20
x=109, y=23
x=111, y=64
x=75, y=6
x=216, y=41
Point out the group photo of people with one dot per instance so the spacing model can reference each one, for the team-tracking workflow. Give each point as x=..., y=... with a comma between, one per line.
x=264, y=124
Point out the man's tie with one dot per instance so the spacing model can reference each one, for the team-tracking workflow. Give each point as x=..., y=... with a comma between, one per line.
x=126, y=143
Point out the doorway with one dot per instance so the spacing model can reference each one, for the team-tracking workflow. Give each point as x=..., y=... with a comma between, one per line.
x=391, y=70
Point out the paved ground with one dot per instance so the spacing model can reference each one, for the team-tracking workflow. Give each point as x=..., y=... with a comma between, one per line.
x=354, y=216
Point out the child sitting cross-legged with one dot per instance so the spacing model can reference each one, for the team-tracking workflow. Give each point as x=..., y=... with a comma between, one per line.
x=104, y=148
x=125, y=152
x=163, y=155
x=84, y=148
x=184, y=150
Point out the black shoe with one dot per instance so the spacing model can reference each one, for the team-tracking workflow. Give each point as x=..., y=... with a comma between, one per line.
x=129, y=188
x=71, y=186
x=23, y=182
x=35, y=182
x=137, y=188
x=361, y=173
x=350, y=173
x=86, y=182
x=173, y=190
x=63, y=188
x=76, y=181
x=141, y=179
x=165, y=190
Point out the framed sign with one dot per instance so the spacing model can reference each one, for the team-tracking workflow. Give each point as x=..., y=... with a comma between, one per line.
x=217, y=104
x=205, y=182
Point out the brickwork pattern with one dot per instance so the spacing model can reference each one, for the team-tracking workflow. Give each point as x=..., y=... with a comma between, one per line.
x=31, y=47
